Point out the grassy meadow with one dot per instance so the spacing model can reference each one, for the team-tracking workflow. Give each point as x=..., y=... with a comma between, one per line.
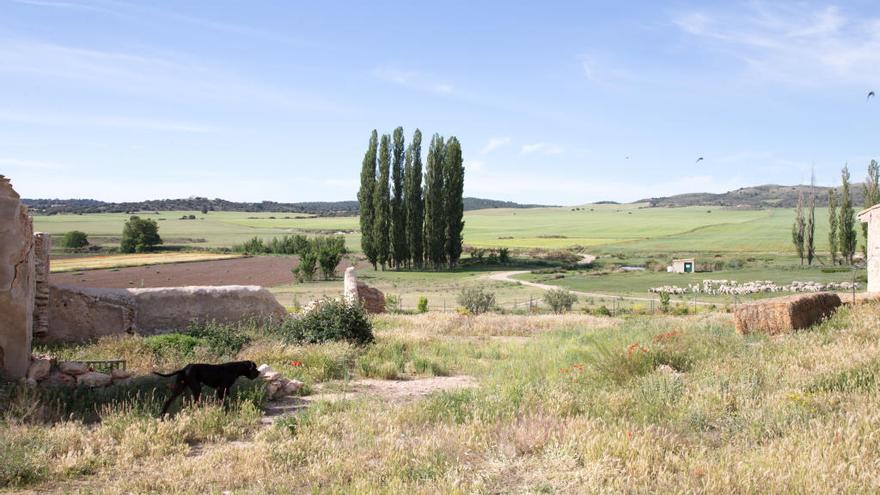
x=563, y=404
x=628, y=228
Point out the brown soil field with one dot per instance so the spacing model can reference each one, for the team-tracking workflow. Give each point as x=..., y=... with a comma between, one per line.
x=267, y=271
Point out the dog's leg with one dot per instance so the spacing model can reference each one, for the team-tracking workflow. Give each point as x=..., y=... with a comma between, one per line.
x=196, y=389
x=179, y=387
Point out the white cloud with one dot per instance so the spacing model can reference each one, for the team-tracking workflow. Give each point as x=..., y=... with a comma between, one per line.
x=414, y=80
x=600, y=71
x=793, y=44
x=544, y=148
x=494, y=143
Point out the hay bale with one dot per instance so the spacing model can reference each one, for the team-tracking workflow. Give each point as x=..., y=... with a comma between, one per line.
x=785, y=314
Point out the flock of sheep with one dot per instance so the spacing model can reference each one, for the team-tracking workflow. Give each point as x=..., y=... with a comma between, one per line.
x=734, y=288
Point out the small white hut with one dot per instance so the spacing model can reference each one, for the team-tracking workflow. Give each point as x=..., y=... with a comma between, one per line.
x=682, y=266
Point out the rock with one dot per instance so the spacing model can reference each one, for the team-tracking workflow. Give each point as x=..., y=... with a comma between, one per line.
x=272, y=388
x=30, y=382
x=39, y=369
x=17, y=283
x=93, y=379
x=42, y=246
x=271, y=376
x=58, y=379
x=371, y=298
x=73, y=368
x=118, y=374
x=263, y=367
x=292, y=386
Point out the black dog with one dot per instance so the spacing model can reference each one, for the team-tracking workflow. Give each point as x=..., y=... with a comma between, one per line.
x=220, y=377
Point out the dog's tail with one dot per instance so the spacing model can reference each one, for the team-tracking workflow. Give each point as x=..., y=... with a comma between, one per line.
x=173, y=373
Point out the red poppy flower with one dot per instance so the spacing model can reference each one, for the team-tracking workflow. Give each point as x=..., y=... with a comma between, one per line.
x=296, y=363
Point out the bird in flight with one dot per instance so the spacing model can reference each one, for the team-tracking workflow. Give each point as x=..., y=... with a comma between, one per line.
x=870, y=95
x=699, y=160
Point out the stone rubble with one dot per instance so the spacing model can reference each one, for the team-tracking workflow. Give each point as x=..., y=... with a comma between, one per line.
x=46, y=372
x=276, y=385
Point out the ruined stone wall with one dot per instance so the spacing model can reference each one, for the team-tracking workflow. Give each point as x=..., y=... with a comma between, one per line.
x=42, y=246
x=17, y=283
x=78, y=313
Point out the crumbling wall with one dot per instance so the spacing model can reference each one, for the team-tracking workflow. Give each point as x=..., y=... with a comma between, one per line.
x=42, y=246
x=78, y=313
x=371, y=298
x=17, y=283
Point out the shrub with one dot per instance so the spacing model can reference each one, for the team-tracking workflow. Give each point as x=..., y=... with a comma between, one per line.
x=476, y=300
x=139, y=235
x=664, y=302
x=504, y=256
x=221, y=340
x=172, y=343
x=329, y=320
x=602, y=311
x=392, y=303
x=422, y=306
x=75, y=239
x=560, y=300
x=308, y=265
x=253, y=245
x=330, y=250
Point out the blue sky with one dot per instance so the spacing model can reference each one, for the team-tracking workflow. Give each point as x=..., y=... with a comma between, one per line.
x=124, y=100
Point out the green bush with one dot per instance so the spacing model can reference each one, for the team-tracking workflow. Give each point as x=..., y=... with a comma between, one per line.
x=476, y=300
x=560, y=300
x=75, y=239
x=664, y=302
x=329, y=320
x=422, y=307
x=172, y=343
x=221, y=340
x=392, y=303
x=139, y=235
x=602, y=311
x=307, y=267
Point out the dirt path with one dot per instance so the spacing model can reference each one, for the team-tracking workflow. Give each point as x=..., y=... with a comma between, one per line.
x=394, y=391
x=587, y=259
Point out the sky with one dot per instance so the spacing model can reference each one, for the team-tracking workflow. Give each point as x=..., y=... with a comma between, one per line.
x=553, y=102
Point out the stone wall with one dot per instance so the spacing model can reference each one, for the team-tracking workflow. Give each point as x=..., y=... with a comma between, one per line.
x=42, y=246
x=78, y=314
x=372, y=299
x=17, y=283
x=871, y=216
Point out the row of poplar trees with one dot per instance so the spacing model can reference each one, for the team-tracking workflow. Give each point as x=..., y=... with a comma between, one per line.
x=842, y=233
x=403, y=223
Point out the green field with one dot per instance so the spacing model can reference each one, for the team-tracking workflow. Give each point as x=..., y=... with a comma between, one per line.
x=599, y=228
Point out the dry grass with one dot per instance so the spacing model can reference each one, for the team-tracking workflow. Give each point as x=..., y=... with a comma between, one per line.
x=81, y=263
x=785, y=314
x=671, y=405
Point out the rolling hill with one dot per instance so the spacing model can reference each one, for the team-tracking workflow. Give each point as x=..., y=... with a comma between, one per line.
x=765, y=196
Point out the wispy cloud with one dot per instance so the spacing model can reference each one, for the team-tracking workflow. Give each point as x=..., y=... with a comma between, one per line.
x=120, y=122
x=494, y=143
x=792, y=44
x=162, y=76
x=29, y=164
x=543, y=148
x=600, y=71
x=413, y=79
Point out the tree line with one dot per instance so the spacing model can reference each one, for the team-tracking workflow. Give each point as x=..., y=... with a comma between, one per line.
x=842, y=232
x=405, y=223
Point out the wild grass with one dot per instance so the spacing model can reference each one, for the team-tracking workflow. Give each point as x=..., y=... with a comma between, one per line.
x=566, y=404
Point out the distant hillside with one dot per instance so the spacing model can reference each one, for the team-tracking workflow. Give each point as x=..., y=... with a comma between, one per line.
x=322, y=208
x=766, y=196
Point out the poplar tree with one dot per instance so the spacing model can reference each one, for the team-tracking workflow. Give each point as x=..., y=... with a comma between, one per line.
x=435, y=219
x=381, y=205
x=413, y=201
x=398, y=214
x=846, y=224
x=365, y=199
x=872, y=195
x=797, y=229
x=810, y=239
x=832, y=225
x=453, y=189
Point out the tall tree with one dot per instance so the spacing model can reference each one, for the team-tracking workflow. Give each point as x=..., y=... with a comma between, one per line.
x=413, y=201
x=381, y=204
x=846, y=224
x=798, y=228
x=872, y=196
x=365, y=200
x=832, y=225
x=453, y=189
x=435, y=218
x=398, y=214
x=810, y=234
